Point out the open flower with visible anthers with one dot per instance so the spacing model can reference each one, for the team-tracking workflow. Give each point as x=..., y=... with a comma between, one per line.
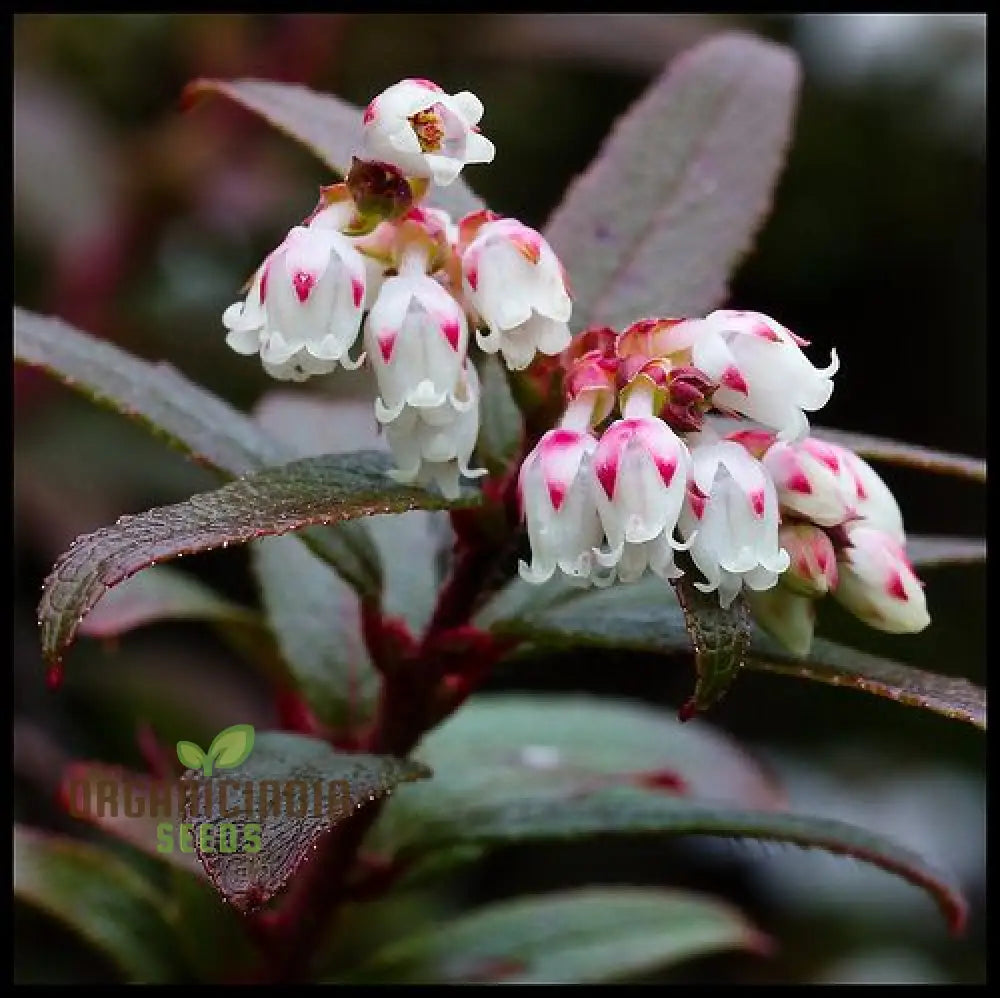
x=435, y=444
x=302, y=313
x=555, y=488
x=878, y=584
x=641, y=469
x=758, y=363
x=730, y=520
x=425, y=132
x=515, y=283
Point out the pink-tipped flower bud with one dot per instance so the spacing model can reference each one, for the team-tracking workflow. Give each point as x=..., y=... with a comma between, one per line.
x=595, y=376
x=878, y=584
x=812, y=570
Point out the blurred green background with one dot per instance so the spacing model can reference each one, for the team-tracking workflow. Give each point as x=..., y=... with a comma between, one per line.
x=139, y=223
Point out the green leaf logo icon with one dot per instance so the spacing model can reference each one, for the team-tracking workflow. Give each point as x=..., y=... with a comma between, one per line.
x=190, y=755
x=229, y=748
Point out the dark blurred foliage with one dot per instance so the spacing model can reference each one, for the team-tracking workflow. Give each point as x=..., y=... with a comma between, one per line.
x=140, y=223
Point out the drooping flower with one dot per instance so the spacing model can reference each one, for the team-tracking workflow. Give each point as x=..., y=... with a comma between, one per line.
x=435, y=444
x=641, y=469
x=555, y=487
x=514, y=281
x=416, y=337
x=878, y=584
x=425, y=132
x=302, y=313
x=759, y=365
x=730, y=520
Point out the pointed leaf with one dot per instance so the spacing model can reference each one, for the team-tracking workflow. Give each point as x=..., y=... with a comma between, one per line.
x=831, y=663
x=269, y=502
x=720, y=637
x=588, y=935
x=326, y=125
x=248, y=880
x=231, y=746
x=633, y=811
x=316, y=619
x=190, y=755
x=188, y=417
x=99, y=897
x=673, y=199
x=645, y=616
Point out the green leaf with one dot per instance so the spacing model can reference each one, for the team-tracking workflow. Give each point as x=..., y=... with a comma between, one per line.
x=248, y=880
x=720, y=637
x=231, y=746
x=588, y=935
x=190, y=755
x=269, y=502
x=101, y=898
x=316, y=620
x=658, y=221
x=327, y=126
x=528, y=816
x=497, y=746
x=830, y=663
x=645, y=616
x=189, y=417
x=164, y=594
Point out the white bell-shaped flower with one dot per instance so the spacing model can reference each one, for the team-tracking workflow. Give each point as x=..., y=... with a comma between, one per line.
x=641, y=470
x=730, y=519
x=416, y=337
x=417, y=127
x=514, y=281
x=435, y=444
x=760, y=367
x=878, y=584
x=302, y=313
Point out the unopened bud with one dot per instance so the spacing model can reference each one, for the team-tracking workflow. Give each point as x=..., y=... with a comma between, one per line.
x=380, y=191
x=812, y=570
x=688, y=396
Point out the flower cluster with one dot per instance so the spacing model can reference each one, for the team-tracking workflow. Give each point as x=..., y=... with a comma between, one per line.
x=664, y=485
x=374, y=260
x=763, y=508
